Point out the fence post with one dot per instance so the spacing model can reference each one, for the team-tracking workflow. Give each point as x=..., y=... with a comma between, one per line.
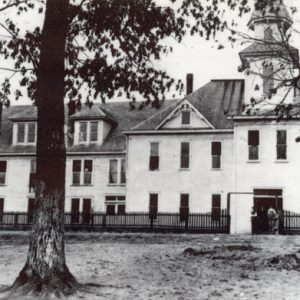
x=187, y=221
x=103, y=220
x=16, y=218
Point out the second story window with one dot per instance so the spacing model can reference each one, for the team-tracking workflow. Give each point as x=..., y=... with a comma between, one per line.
x=216, y=151
x=154, y=156
x=83, y=132
x=117, y=171
x=253, y=144
x=88, y=132
x=26, y=133
x=82, y=172
x=185, y=117
x=185, y=155
x=32, y=176
x=3, y=164
x=281, y=144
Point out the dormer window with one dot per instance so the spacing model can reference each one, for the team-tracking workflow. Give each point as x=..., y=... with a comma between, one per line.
x=88, y=131
x=185, y=117
x=25, y=133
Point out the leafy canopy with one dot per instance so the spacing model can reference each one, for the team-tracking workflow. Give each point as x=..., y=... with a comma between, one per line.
x=112, y=45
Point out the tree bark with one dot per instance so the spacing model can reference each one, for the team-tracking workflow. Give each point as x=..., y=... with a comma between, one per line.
x=45, y=272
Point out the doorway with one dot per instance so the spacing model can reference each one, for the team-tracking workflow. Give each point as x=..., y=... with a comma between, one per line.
x=263, y=200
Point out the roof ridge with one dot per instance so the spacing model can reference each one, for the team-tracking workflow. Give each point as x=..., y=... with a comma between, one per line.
x=159, y=112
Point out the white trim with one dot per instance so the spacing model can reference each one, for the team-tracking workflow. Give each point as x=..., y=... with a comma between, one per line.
x=184, y=101
x=179, y=131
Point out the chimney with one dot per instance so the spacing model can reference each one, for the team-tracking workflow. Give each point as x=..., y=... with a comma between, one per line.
x=189, y=83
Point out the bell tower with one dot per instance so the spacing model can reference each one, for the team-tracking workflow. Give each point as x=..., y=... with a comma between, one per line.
x=269, y=59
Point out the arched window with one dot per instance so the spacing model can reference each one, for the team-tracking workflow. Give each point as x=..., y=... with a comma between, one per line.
x=268, y=34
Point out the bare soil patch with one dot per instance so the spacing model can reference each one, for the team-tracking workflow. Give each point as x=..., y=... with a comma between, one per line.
x=170, y=266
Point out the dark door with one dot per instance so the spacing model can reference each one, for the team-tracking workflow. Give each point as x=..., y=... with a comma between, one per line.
x=261, y=207
x=75, y=210
x=30, y=210
x=86, y=210
x=1, y=209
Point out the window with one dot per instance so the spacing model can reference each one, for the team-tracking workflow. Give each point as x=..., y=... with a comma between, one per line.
x=82, y=176
x=32, y=176
x=216, y=151
x=268, y=79
x=113, y=171
x=115, y=205
x=185, y=155
x=26, y=133
x=1, y=209
x=216, y=207
x=88, y=132
x=94, y=132
x=21, y=133
x=75, y=210
x=87, y=175
x=154, y=156
x=123, y=170
x=185, y=117
x=3, y=164
x=184, y=207
x=117, y=171
x=281, y=144
x=30, y=209
x=31, y=133
x=253, y=144
x=82, y=132
x=268, y=34
x=153, y=206
x=86, y=210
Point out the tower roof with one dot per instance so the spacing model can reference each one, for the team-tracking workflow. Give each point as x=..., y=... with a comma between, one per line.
x=271, y=13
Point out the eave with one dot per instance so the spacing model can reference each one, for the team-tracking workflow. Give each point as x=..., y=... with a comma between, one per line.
x=179, y=131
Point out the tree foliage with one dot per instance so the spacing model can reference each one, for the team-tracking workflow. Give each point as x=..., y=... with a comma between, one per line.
x=112, y=45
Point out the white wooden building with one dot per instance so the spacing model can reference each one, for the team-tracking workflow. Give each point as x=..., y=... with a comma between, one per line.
x=201, y=152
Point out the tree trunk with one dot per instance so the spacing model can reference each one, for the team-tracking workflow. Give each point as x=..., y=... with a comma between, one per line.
x=45, y=272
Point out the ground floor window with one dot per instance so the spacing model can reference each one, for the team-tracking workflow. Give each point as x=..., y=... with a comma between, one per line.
x=81, y=210
x=30, y=209
x=115, y=205
x=184, y=207
x=216, y=207
x=153, y=206
x=1, y=209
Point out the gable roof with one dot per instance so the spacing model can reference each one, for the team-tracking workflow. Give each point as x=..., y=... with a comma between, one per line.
x=124, y=117
x=95, y=112
x=214, y=101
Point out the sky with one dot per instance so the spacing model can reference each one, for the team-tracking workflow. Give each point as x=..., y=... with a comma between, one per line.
x=194, y=55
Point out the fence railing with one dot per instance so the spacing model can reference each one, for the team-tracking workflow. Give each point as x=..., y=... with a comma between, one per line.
x=291, y=222
x=99, y=221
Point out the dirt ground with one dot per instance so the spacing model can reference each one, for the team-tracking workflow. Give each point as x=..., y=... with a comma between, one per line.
x=169, y=266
